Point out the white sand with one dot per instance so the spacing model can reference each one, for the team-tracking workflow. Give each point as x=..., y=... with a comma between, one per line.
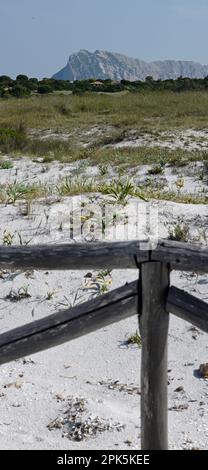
x=28, y=390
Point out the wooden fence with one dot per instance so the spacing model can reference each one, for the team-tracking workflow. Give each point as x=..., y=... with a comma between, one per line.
x=151, y=297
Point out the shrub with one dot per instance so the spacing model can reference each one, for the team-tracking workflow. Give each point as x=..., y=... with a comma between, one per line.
x=11, y=140
x=20, y=91
x=22, y=78
x=5, y=80
x=6, y=165
x=44, y=89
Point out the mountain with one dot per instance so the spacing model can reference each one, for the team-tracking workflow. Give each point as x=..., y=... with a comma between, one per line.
x=102, y=64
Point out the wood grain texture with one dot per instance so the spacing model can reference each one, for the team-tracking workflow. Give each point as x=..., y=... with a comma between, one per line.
x=182, y=256
x=188, y=307
x=115, y=255
x=111, y=255
x=69, y=324
x=154, y=333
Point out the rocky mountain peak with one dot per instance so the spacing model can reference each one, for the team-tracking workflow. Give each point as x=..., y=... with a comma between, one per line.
x=109, y=65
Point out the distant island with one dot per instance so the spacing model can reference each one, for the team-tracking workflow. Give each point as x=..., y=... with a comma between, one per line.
x=108, y=65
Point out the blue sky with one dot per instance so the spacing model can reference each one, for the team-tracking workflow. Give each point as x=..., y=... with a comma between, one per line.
x=37, y=36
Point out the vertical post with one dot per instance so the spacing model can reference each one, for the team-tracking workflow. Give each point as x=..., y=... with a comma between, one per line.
x=153, y=288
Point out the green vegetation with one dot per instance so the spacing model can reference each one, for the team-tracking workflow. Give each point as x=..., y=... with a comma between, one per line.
x=12, y=139
x=135, y=339
x=77, y=114
x=130, y=157
x=104, y=281
x=12, y=192
x=146, y=111
x=15, y=141
x=179, y=232
x=50, y=294
x=119, y=190
x=156, y=169
x=24, y=86
x=72, y=186
x=15, y=295
x=150, y=192
x=7, y=238
x=6, y=165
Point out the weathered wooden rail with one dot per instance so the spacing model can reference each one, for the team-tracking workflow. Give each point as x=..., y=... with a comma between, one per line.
x=151, y=297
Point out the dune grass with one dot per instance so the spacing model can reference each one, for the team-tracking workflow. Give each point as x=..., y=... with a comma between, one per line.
x=151, y=193
x=16, y=143
x=12, y=192
x=117, y=191
x=149, y=110
x=130, y=157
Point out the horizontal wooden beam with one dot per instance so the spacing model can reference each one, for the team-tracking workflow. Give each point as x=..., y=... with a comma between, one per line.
x=181, y=256
x=69, y=324
x=115, y=255
x=105, y=255
x=188, y=307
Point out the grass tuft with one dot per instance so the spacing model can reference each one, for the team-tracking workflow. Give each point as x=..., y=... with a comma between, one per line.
x=135, y=339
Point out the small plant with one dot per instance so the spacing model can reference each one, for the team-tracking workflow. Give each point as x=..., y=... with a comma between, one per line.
x=71, y=186
x=201, y=175
x=119, y=190
x=8, y=238
x=179, y=232
x=6, y=165
x=104, y=281
x=162, y=160
x=135, y=339
x=77, y=298
x=18, y=190
x=179, y=184
x=103, y=169
x=50, y=294
x=22, y=241
x=12, y=140
x=156, y=169
x=15, y=295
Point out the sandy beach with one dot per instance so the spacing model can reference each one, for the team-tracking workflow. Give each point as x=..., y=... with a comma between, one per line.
x=95, y=378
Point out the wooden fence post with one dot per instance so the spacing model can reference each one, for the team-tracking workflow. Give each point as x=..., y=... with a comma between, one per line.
x=153, y=289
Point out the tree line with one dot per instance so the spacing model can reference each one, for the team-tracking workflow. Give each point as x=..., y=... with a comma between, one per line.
x=24, y=86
